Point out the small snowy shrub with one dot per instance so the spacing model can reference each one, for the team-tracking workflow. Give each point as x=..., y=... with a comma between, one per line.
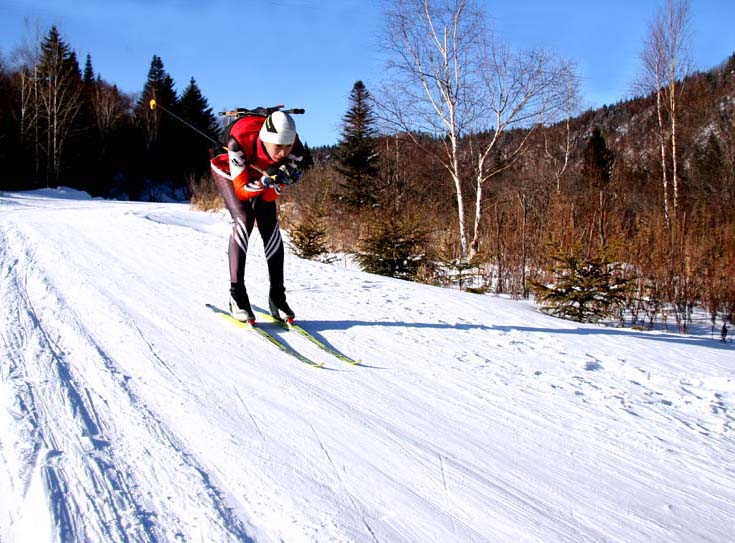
x=394, y=248
x=583, y=289
x=309, y=238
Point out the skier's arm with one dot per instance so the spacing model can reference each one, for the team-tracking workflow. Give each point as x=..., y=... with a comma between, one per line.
x=245, y=188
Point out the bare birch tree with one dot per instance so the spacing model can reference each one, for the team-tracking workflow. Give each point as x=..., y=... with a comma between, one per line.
x=28, y=110
x=665, y=65
x=433, y=45
x=109, y=107
x=454, y=81
x=518, y=90
x=652, y=80
x=27, y=57
x=60, y=97
x=557, y=154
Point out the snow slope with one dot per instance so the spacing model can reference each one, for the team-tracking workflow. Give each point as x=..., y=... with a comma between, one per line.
x=130, y=412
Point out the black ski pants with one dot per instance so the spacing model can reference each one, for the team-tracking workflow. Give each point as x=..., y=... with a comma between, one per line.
x=244, y=215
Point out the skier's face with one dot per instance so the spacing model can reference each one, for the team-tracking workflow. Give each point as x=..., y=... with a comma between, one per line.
x=277, y=151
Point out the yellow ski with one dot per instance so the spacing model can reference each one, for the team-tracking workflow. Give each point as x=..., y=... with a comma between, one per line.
x=267, y=336
x=296, y=328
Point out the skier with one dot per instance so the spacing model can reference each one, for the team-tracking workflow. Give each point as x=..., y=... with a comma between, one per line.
x=263, y=155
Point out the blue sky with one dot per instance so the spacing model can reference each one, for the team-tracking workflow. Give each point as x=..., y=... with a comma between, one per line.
x=309, y=53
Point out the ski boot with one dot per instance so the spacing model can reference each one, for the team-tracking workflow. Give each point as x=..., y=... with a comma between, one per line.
x=240, y=304
x=277, y=303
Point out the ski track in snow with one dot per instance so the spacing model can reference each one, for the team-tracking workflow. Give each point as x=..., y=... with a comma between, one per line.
x=130, y=412
x=72, y=420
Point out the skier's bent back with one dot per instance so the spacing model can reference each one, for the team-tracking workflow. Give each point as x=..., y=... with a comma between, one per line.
x=263, y=155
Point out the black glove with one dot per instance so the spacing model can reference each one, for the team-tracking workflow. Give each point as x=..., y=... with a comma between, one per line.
x=286, y=174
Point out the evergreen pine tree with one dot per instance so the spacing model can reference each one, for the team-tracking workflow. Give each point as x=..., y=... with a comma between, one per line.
x=194, y=109
x=309, y=239
x=598, y=160
x=597, y=169
x=356, y=156
x=159, y=85
x=88, y=72
x=160, y=132
x=584, y=289
x=307, y=160
x=710, y=171
x=9, y=144
x=395, y=247
x=87, y=146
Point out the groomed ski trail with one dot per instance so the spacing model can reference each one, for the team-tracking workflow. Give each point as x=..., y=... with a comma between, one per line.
x=129, y=413
x=68, y=396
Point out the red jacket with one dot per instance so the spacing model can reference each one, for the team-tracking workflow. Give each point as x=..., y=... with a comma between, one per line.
x=247, y=184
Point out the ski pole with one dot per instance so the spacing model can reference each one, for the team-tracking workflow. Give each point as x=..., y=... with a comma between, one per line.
x=153, y=105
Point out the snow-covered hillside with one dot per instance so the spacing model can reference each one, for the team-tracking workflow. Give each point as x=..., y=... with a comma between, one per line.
x=129, y=411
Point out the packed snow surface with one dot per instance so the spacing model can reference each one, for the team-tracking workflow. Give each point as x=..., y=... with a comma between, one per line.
x=131, y=412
